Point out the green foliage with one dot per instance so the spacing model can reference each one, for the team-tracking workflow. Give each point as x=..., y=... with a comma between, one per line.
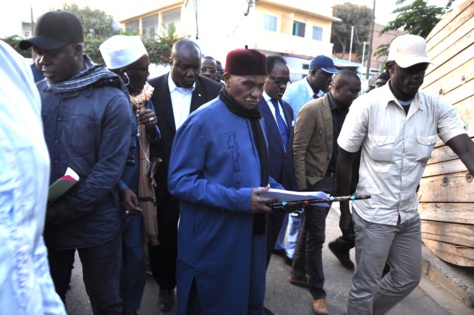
x=417, y=18
x=351, y=14
x=98, y=26
x=382, y=50
x=96, y=23
x=159, y=49
x=13, y=41
x=91, y=49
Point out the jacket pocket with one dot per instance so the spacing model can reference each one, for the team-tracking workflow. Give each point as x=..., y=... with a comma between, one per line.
x=82, y=134
x=381, y=147
x=425, y=145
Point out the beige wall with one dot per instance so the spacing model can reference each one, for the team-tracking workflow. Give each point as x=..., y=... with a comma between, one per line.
x=220, y=31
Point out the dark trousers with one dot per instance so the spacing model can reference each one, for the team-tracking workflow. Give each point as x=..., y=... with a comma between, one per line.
x=101, y=267
x=163, y=256
x=275, y=221
x=308, y=253
x=133, y=263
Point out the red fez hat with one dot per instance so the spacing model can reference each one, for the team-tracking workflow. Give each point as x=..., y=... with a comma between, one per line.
x=246, y=62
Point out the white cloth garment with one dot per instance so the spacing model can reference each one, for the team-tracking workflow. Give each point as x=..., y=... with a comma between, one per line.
x=395, y=149
x=26, y=287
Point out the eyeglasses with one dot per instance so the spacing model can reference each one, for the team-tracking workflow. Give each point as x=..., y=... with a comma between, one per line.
x=211, y=70
x=280, y=81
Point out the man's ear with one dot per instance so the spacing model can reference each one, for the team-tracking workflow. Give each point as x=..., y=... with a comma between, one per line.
x=78, y=49
x=122, y=72
x=389, y=66
x=226, y=78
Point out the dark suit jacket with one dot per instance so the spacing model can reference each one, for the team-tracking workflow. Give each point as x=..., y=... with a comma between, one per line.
x=281, y=162
x=205, y=91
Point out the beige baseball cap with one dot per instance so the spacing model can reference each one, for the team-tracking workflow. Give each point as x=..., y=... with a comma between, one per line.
x=408, y=50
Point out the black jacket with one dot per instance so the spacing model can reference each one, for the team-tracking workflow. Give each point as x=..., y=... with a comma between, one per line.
x=205, y=91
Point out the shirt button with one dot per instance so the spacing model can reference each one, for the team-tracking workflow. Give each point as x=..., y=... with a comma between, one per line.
x=59, y=118
x=55, y=162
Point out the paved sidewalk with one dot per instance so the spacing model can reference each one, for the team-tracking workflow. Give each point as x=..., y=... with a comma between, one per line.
x=282, y=298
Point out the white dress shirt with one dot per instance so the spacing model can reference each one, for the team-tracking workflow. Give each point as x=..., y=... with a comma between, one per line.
x=181, y=101
x=267, y=98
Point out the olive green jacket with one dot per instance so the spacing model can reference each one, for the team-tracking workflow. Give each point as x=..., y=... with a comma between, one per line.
x=313, y=142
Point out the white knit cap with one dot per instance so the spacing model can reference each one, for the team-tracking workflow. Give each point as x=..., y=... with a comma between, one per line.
x=120, y=51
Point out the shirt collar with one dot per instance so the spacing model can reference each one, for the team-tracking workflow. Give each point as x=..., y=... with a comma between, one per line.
x=311, y=92
x=172, y=86
x=387, y=97
x=266, y=97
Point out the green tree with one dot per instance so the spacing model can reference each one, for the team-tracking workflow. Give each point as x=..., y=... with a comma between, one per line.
x=98, y=26
x=159, y=49
x=13, y=41
x=417, y=18
x=96, y=23
x=350, y=14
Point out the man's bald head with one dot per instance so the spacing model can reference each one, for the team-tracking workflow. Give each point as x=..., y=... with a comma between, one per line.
x=185, y=63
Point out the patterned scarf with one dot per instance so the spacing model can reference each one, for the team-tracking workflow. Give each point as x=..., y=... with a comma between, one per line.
x=259, y=140
x=98, y=76
x=146, y=192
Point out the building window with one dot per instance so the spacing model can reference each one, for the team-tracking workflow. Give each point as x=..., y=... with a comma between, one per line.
x=133, y=27
x=149, y=26
x=27, y=34
x=317, y=33
x=298, y=28
x=270, y=23
x=171, y=20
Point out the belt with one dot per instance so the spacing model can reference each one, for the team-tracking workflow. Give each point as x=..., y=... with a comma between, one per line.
x=330, y=174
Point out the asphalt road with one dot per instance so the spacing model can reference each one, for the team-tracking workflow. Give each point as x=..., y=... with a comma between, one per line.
x=282, y=298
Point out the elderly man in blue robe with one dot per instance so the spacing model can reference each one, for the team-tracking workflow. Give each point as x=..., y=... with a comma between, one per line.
x=219, y=170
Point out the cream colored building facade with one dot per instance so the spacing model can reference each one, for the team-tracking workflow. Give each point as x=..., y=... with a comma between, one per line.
x=297, y=30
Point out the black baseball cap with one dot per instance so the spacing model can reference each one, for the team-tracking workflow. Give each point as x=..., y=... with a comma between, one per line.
x=55, y=29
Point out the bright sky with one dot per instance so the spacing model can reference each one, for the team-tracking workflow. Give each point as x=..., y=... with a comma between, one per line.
x=18, y=9
x=383, y=8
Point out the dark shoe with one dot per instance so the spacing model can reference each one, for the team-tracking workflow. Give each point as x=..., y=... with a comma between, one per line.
x=320, y=307
x=130, y=313
x=288, y=261
x=166, y=299
x=302, y=282
x=342, y=255
x=266, y=311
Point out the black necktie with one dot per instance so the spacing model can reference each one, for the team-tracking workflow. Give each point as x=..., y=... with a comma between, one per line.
x=281, y=123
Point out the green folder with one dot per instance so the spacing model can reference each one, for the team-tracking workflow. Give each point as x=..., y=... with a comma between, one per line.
x=62, y=185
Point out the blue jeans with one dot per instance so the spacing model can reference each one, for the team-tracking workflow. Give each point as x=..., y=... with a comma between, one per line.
x=374, y=243
x=101, y=273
